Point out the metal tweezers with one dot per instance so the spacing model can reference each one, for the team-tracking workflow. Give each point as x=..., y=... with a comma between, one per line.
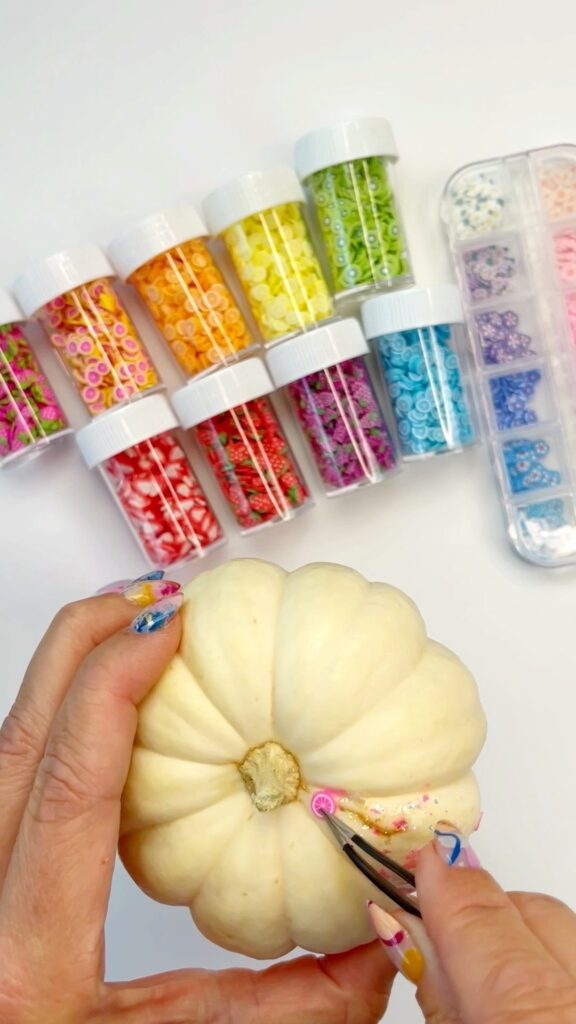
x=349, y=840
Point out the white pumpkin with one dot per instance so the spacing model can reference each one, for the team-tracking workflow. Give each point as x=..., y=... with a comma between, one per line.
x=286, y=684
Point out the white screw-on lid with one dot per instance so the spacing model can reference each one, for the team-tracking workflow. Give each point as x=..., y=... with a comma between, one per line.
x=118, y=430
x=224, y=389
x=153, y=235
x=315, y=350
x=57, y=274
x=251, y=194
x=411, y=308
x=350, y=140
x=10, y=312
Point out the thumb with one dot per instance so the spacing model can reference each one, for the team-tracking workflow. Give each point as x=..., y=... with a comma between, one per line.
x=497, y=969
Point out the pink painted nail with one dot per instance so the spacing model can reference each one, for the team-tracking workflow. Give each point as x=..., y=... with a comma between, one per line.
x=398, y=945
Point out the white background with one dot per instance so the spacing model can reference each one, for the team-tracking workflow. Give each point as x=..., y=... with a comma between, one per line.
x=112, y=110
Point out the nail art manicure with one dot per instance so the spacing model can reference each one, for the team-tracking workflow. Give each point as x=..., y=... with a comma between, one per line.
x=157, y=615
x=398, y=944
x=121, y=586
x=453, y=848
x=148, y=592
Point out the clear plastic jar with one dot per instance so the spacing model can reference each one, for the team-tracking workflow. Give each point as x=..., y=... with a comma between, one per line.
x=72, y=294
x=347, y=173
x=418, y=338
x=332, y=393
x=167, y=260
x=150, y=476
x=261, y=220
x=244, y=442
x=30, y=414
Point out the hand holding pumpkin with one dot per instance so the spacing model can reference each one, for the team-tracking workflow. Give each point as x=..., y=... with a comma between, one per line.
x=65, y=754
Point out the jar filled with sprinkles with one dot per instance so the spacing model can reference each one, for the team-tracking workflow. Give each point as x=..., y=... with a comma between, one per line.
x=329, y=385
x=347, y=171
x=260, y=218
x=73, y=296
x=30, y=414
x=167, y=259
x=244, y=443
x=147, y=471
x=418, y=337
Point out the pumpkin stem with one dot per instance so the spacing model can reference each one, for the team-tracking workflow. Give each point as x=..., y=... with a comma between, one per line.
x=271, y=776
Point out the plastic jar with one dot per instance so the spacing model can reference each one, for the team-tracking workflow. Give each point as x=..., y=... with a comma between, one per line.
x=417, y=335
x=261, y=220
x=242, y=438
x=333, y=396
x=30, y=414
x=151, y=478
x=72, y=294
x=167, y=260
x=347, y=172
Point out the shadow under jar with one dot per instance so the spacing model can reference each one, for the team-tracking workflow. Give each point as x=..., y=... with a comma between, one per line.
x=332, y=394
x=347, y=172
x=260, y=218
x=30, y=414
x=151, y=478
x=417, y=335
x=243, y=440
x=72, y=294
x=167, y=259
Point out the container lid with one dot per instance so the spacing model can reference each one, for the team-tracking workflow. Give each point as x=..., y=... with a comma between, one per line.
x=118, y=430
x=350, y=140
x=221, y=390
x=315, y=350
x=154, y=235
x=10, y=312
x=251, y=194
x=57, y=274
x=411, y=308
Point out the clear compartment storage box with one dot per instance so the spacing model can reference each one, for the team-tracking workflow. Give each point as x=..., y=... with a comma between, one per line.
x=511, y=226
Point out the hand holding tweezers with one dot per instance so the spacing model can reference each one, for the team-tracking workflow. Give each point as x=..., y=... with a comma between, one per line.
x=350, y=843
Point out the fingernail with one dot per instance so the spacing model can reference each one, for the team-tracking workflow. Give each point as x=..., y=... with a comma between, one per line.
x=149, y=592
x=453, y=848
x=121, y=586
x=154, y=574
x=157, y=615
x=398, y=945
x=118, y=587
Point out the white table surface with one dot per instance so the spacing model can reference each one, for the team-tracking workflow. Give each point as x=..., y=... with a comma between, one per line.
x=110, y=111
